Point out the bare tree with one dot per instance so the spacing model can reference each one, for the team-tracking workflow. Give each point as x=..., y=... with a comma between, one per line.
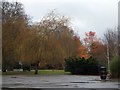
x=111, y=38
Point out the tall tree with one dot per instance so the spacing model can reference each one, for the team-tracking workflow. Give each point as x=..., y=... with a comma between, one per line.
x=90, y=40
x=14, y=21
x=53, y=35
x=111, y=41
x=95, y=47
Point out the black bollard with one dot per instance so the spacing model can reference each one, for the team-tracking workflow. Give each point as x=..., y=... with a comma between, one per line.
x=103, y=73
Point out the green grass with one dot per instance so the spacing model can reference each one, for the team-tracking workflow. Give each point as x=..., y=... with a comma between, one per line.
x=41, y=72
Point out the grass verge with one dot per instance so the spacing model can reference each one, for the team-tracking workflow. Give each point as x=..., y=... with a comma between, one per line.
x=41, y=72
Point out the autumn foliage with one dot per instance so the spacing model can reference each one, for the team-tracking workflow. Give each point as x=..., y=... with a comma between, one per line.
x=44, y=43
x=81, y=49
x=91, y=46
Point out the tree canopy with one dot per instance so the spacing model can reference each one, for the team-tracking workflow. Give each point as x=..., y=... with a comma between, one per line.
x=47, y=42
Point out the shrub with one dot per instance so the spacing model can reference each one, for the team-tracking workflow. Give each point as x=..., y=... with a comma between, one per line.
x=114, y=67
x=26, y=67
x=82, y=66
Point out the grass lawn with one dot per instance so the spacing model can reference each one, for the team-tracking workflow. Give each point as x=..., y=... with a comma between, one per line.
x=41, y=72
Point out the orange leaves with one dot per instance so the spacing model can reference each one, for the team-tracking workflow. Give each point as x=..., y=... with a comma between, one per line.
x=90, y=45
x=90, y=36
x=90, y=33
x=81, y=49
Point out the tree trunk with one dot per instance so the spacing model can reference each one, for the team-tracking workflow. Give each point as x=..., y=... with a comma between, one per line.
x=36, y=68
x=4, y=70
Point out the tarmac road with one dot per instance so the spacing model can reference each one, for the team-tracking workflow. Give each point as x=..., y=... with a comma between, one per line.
x=56, y=82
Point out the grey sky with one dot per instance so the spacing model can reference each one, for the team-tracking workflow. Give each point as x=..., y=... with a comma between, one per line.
x=86, y=15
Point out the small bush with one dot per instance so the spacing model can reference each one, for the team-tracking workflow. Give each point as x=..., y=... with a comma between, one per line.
x=26, y=68
x=114, y=67
x=82, y=66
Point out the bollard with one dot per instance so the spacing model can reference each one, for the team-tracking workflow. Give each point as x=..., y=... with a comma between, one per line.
x=103, y=73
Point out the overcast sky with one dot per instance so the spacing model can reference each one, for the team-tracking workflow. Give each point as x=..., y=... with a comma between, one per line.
x=86, y=15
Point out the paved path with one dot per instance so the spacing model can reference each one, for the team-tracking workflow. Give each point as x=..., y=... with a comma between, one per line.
x=57, y=81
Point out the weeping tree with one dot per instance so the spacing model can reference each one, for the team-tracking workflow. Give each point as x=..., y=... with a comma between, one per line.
x=14, y=23
x=55, y=40
x=49, y=41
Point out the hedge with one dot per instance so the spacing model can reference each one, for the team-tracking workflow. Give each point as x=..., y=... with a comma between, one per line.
x=114, y=67
x=77, y=65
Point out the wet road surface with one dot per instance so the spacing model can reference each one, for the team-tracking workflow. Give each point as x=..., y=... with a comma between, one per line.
x=58, y=81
